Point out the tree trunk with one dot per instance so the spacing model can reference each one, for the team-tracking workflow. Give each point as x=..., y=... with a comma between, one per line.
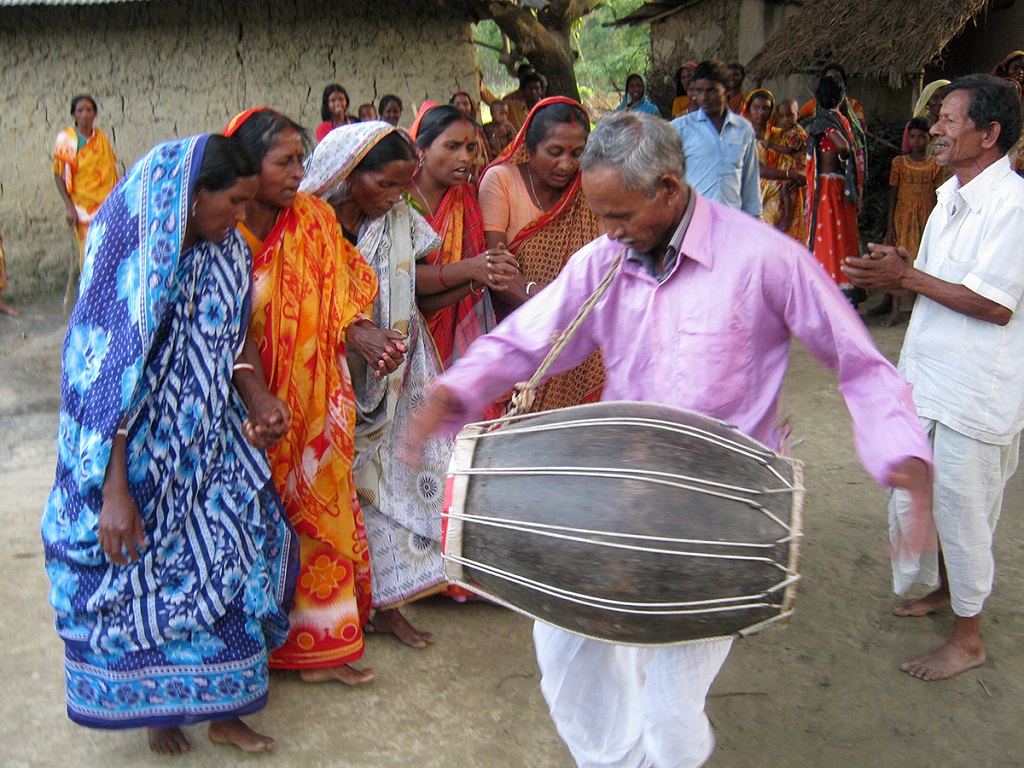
x=542, y=37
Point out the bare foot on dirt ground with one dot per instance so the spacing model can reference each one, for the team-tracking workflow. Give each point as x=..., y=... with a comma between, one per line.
x=392, y=622
x=168, y=741
x=234, y=731
x=946, y=661
x=346, y=674
x=922, y=606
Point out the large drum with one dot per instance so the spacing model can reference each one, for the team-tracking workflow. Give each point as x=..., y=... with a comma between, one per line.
x=631, y=522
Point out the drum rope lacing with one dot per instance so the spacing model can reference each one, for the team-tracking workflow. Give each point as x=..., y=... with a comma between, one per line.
x=693, y=607
x=552, y=531
x=523, y=396
x=730, y=445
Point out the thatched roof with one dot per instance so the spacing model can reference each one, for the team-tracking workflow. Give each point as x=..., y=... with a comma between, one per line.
x=654, y=11
x=873, y=38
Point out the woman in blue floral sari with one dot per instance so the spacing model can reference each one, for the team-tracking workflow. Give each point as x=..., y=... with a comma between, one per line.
x=172, y=565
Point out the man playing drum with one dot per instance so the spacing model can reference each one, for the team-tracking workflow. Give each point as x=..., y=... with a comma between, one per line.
x=698, y=316
x=964, y=352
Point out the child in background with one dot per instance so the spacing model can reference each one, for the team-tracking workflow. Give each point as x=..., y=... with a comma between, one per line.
x=912, y=184
x=500, y=130
x=792, y=149
x=367, y=112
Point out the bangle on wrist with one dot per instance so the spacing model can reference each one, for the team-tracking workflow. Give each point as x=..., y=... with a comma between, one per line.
x=440, y=276
x=473, y=290
x=243, y=367
x=122, y=432
x=526, y=288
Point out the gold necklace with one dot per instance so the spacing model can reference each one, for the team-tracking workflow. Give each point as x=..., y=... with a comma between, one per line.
x=422, y=197
x=533, y=189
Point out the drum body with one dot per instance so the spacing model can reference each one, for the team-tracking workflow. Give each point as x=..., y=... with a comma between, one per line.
x=629, y=522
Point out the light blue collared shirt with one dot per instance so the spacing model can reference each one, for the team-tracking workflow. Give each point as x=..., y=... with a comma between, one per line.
x=722, y=166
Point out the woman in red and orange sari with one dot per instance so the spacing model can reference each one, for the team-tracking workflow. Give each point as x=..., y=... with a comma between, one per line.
x=531, y=200
x=834, y=184
x=84, y=167
x=777, y=172
x=453, y=282
x=309, y=289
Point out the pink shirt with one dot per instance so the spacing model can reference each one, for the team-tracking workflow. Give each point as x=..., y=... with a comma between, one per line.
x=712, y=337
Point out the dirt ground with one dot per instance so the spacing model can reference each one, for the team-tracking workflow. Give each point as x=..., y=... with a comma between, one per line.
x=825, y=691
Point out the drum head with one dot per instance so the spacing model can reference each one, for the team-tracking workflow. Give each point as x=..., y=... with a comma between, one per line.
x=630, y=522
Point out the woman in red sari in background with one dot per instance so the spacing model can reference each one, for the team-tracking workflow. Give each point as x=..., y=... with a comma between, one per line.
x=834, y=184
x=531, y=200
x=453, y=282
x=310, y=286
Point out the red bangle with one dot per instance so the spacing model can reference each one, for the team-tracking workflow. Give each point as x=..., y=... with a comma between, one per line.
x=440, y=276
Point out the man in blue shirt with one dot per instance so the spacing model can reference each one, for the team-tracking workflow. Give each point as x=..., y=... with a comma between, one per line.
x=719, y=145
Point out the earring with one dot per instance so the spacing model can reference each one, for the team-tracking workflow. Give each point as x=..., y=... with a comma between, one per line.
x=193, y=207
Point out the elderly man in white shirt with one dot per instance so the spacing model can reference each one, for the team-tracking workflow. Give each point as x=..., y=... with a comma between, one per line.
x=964, y=354
x=720, y=146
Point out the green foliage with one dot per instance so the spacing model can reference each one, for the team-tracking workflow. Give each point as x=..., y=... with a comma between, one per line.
x=609, y=54
x=606, y=54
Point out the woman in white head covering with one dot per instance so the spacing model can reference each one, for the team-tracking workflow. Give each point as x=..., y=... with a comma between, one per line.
x=361, y=170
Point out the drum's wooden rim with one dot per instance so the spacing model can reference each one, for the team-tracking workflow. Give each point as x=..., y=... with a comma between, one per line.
x=462, y=459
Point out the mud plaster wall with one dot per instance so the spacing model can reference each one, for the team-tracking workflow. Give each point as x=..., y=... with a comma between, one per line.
x=704, y=31
x=166, y=69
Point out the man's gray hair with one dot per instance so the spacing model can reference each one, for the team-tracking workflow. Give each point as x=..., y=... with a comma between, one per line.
x=642, y=147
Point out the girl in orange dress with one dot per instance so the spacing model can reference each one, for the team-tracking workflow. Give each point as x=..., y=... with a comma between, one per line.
x=912, y=184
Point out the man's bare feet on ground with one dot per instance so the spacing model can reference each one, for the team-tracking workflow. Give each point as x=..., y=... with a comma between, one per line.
x=947, y=660
x=234, y=731
x=922, y=606
x=392, y=622
x=346, y=674
x=7, y=309
x=168, y=741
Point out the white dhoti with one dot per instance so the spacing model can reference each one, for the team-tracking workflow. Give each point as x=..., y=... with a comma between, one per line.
x=618, y=706
x=970, y=476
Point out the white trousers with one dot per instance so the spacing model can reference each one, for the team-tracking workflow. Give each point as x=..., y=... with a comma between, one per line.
x=968, y=495
x=617, y=706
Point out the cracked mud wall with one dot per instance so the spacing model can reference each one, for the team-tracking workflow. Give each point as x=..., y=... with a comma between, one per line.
x=170, y=68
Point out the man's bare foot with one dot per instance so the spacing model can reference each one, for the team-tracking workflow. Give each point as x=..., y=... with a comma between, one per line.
x=234, y=731
x=947, y=660
x=922, y=606
x=168, y=741
x=7, y=309
x=346, y=674
x=392, y=622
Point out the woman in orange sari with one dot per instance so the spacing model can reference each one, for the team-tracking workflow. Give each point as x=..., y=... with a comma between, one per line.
x=776, y=174
x=309, y=289
x=530, y=198
x=84, y=167
x=452, y=281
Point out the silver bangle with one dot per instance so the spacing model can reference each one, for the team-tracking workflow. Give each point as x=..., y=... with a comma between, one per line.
x=121, y=432
x=526, y=289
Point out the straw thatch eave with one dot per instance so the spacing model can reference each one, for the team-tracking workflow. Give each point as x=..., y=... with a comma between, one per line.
x=873, y=38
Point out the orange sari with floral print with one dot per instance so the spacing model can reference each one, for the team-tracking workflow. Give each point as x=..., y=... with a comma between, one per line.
x=89, y=173
x=309, y=283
